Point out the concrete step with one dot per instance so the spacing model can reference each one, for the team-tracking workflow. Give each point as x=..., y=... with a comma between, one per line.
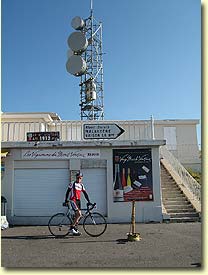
x=174, y=200
x=169, y=206
x=172, y=191
x=170, y=186
x=168, y=181
x=173, y=206
x=182, y=210
x=167, y=195
x=183, y=215
x=179, y=207
x=187, y=219
x=166, y=177
x=169, y=202
x=165, y=173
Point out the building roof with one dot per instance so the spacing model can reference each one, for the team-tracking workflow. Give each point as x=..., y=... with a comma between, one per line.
x=51, y=116
x=21, y=115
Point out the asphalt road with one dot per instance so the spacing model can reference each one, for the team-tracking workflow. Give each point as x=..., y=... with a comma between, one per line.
x=174, y=245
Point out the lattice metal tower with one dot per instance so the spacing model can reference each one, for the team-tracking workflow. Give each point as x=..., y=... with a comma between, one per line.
x=91, y=82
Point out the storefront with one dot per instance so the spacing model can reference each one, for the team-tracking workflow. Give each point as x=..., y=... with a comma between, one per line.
x=115, y=173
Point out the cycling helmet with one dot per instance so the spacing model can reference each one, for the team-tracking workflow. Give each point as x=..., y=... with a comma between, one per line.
x=79, y=174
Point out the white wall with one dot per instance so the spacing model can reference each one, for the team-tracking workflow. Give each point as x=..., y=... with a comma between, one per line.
x=145, y=211
x=116, y=211
x=186, y=151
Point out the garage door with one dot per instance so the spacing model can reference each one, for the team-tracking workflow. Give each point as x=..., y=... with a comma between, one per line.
x=39, y=192
x=95, y=182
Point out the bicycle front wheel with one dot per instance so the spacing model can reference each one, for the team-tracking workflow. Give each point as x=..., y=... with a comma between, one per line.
x=94, y=224
x=59, y=225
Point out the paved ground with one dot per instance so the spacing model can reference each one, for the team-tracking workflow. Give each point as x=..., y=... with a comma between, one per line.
x=162, y=245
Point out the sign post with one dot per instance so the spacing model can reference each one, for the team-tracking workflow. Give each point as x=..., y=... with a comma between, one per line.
x=132, y=236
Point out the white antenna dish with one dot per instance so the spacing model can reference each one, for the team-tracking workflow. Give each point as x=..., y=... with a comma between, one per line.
x=77, y=23
x=69, y=53
x=77, y=41
x=76, y=65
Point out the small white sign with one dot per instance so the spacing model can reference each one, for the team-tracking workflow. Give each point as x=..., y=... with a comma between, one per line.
x=145, y=169
x=61, y=154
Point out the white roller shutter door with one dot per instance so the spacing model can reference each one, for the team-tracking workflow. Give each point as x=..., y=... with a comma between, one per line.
x=95, y=183
x=39, y=192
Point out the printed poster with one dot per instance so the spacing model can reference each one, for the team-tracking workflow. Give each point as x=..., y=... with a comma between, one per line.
x=132, y=175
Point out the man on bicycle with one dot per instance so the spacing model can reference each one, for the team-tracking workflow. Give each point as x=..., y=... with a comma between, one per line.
x=73, y=192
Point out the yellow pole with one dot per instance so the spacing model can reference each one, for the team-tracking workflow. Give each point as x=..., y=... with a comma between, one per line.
x=133, y=217
x=133, y=236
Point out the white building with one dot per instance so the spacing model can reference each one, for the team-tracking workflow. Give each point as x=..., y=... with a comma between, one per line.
x=37, y=172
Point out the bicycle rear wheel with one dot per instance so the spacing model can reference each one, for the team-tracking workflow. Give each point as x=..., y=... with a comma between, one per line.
x=59, y=225
x=94, y=224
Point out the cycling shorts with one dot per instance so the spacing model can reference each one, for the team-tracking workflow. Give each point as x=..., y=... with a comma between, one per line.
x=76, y=205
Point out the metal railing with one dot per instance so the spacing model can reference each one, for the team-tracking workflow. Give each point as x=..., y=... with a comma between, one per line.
x=73, y=130
x=188, y=181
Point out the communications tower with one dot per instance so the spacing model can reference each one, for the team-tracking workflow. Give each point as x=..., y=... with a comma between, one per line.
x=85, y=60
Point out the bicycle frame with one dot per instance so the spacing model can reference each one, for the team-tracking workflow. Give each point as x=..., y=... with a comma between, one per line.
x=59, y=225
x=70, y=212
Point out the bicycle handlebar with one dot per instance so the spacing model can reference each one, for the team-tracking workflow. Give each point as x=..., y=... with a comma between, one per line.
x=90, y=205
x=66, y=204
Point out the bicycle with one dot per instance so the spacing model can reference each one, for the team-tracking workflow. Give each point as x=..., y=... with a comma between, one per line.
x=94, y=223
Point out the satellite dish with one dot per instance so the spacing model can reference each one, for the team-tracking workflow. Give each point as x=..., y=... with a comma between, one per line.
x=76, y=65
x=69, y=53
x=77, y=23
x=77, y=42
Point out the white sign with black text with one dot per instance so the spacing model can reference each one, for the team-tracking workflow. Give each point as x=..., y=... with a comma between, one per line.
x=60, y=154
x=102, y=131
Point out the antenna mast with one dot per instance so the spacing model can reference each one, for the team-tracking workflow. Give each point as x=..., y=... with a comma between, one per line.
x=87, y=62
x=91, y=92
x=91, y=6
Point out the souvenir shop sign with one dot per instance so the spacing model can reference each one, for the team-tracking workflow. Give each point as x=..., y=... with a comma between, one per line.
x=132, y=172
x=60, y=154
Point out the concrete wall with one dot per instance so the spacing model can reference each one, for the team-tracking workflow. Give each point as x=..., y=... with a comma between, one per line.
x=116, y=211
x=145, y=211
x=187, y=150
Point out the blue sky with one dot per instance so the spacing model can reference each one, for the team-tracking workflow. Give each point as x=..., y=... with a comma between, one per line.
x=152, y=64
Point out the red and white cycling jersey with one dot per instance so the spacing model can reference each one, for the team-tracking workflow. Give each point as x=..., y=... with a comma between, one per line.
x=76, y=190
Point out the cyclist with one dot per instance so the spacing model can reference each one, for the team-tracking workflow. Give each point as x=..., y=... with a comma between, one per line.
x=73, y=192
